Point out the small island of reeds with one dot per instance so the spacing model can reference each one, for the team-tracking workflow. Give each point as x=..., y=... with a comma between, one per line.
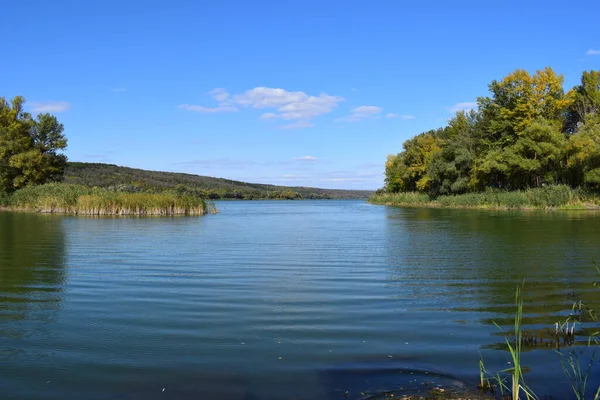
x=81, y=200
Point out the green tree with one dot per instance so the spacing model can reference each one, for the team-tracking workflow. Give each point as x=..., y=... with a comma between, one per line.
x=584, y=154
x=29, y=148
x=451, y=170
x=585, y=102
x=519, y=99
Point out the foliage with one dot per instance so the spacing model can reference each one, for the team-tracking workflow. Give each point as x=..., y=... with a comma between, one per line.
x=29, y=147
x=133, y=180
x=526, y=134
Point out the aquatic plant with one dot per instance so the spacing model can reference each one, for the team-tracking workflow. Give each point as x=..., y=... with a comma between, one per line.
x=576, y=371
x=81, y=200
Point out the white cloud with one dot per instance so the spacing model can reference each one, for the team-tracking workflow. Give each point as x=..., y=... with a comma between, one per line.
x=362, y=112
x=297, y=125
x=464, y=106
x=592, y=52
x=219, y=94
x=208, y=110
x=291, y=106
x=305, y=158
x=118, y=90
x=50, y=106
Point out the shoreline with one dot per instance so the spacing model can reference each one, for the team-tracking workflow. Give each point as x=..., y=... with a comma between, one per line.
x=103, y=213
x=587, y=207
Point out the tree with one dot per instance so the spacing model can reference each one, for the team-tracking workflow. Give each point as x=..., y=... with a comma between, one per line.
x=519, y=99
x=407, y=171
x=585, y=102
x=29, y=148
x=450, y=171
x=584, y=154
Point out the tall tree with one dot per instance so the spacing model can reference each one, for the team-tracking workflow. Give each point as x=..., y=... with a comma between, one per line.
x=584, y=154
x=585, y=100
x=451, y=170
x=29, y=148
x=519, y=99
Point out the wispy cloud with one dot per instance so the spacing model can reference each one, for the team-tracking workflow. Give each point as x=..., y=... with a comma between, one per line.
x=292, y=177
x=219, y=94
x=404, y=117
x=305, y=158
x=361, y=112
x=297, y=125
x=291, y=106
x=220, y=163
x=208, y=110
x=50, y=106
x=592, y=52
x=463, y=106
x=119, y=89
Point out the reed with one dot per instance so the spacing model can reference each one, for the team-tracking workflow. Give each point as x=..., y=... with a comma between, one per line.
x=81, y=200
x=549, y=197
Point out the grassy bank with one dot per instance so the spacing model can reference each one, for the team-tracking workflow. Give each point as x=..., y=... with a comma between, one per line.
x=550, y=197
x=81, y=200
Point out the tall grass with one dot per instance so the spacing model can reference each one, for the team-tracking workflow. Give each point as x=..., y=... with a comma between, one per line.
x=548, y=197
x=81, y=200
x=576, y=372
x=403, y=198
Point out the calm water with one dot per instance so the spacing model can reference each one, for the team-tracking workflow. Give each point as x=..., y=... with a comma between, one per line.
x=280, y=300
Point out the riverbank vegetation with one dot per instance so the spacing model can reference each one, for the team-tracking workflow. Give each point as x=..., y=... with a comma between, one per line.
x=32, y=164
x=528, y=139
x=548, y=197
x=82, y=200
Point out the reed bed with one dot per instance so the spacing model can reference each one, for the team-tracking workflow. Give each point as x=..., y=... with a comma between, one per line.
x=549, y=197
x=81, y=200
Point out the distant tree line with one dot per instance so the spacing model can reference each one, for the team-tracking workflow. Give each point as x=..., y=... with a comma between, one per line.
x=29, y=147
x=527, y=133
x=126, y=179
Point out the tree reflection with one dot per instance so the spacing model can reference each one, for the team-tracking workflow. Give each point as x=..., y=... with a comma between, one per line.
x=32, y=271
x=472, y=261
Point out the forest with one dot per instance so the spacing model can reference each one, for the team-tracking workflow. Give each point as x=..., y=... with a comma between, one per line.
x=527, y=133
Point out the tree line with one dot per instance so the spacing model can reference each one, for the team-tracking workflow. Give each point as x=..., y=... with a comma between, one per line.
x=527, y=133
x=29, y=147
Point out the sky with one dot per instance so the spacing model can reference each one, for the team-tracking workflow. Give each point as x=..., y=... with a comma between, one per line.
x=288, y=92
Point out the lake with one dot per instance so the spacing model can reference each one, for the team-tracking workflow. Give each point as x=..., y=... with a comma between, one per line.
x=282, y=300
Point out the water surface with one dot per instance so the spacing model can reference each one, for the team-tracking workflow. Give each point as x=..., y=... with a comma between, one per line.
x=281, y=299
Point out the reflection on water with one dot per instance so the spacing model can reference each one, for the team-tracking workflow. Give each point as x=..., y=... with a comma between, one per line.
x=277, y=299
x=32, y=276
x=466, y=265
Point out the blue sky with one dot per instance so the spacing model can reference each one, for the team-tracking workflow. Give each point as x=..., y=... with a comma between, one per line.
x=308, y=93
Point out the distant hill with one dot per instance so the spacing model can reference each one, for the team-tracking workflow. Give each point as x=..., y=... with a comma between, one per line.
x=132, y=179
